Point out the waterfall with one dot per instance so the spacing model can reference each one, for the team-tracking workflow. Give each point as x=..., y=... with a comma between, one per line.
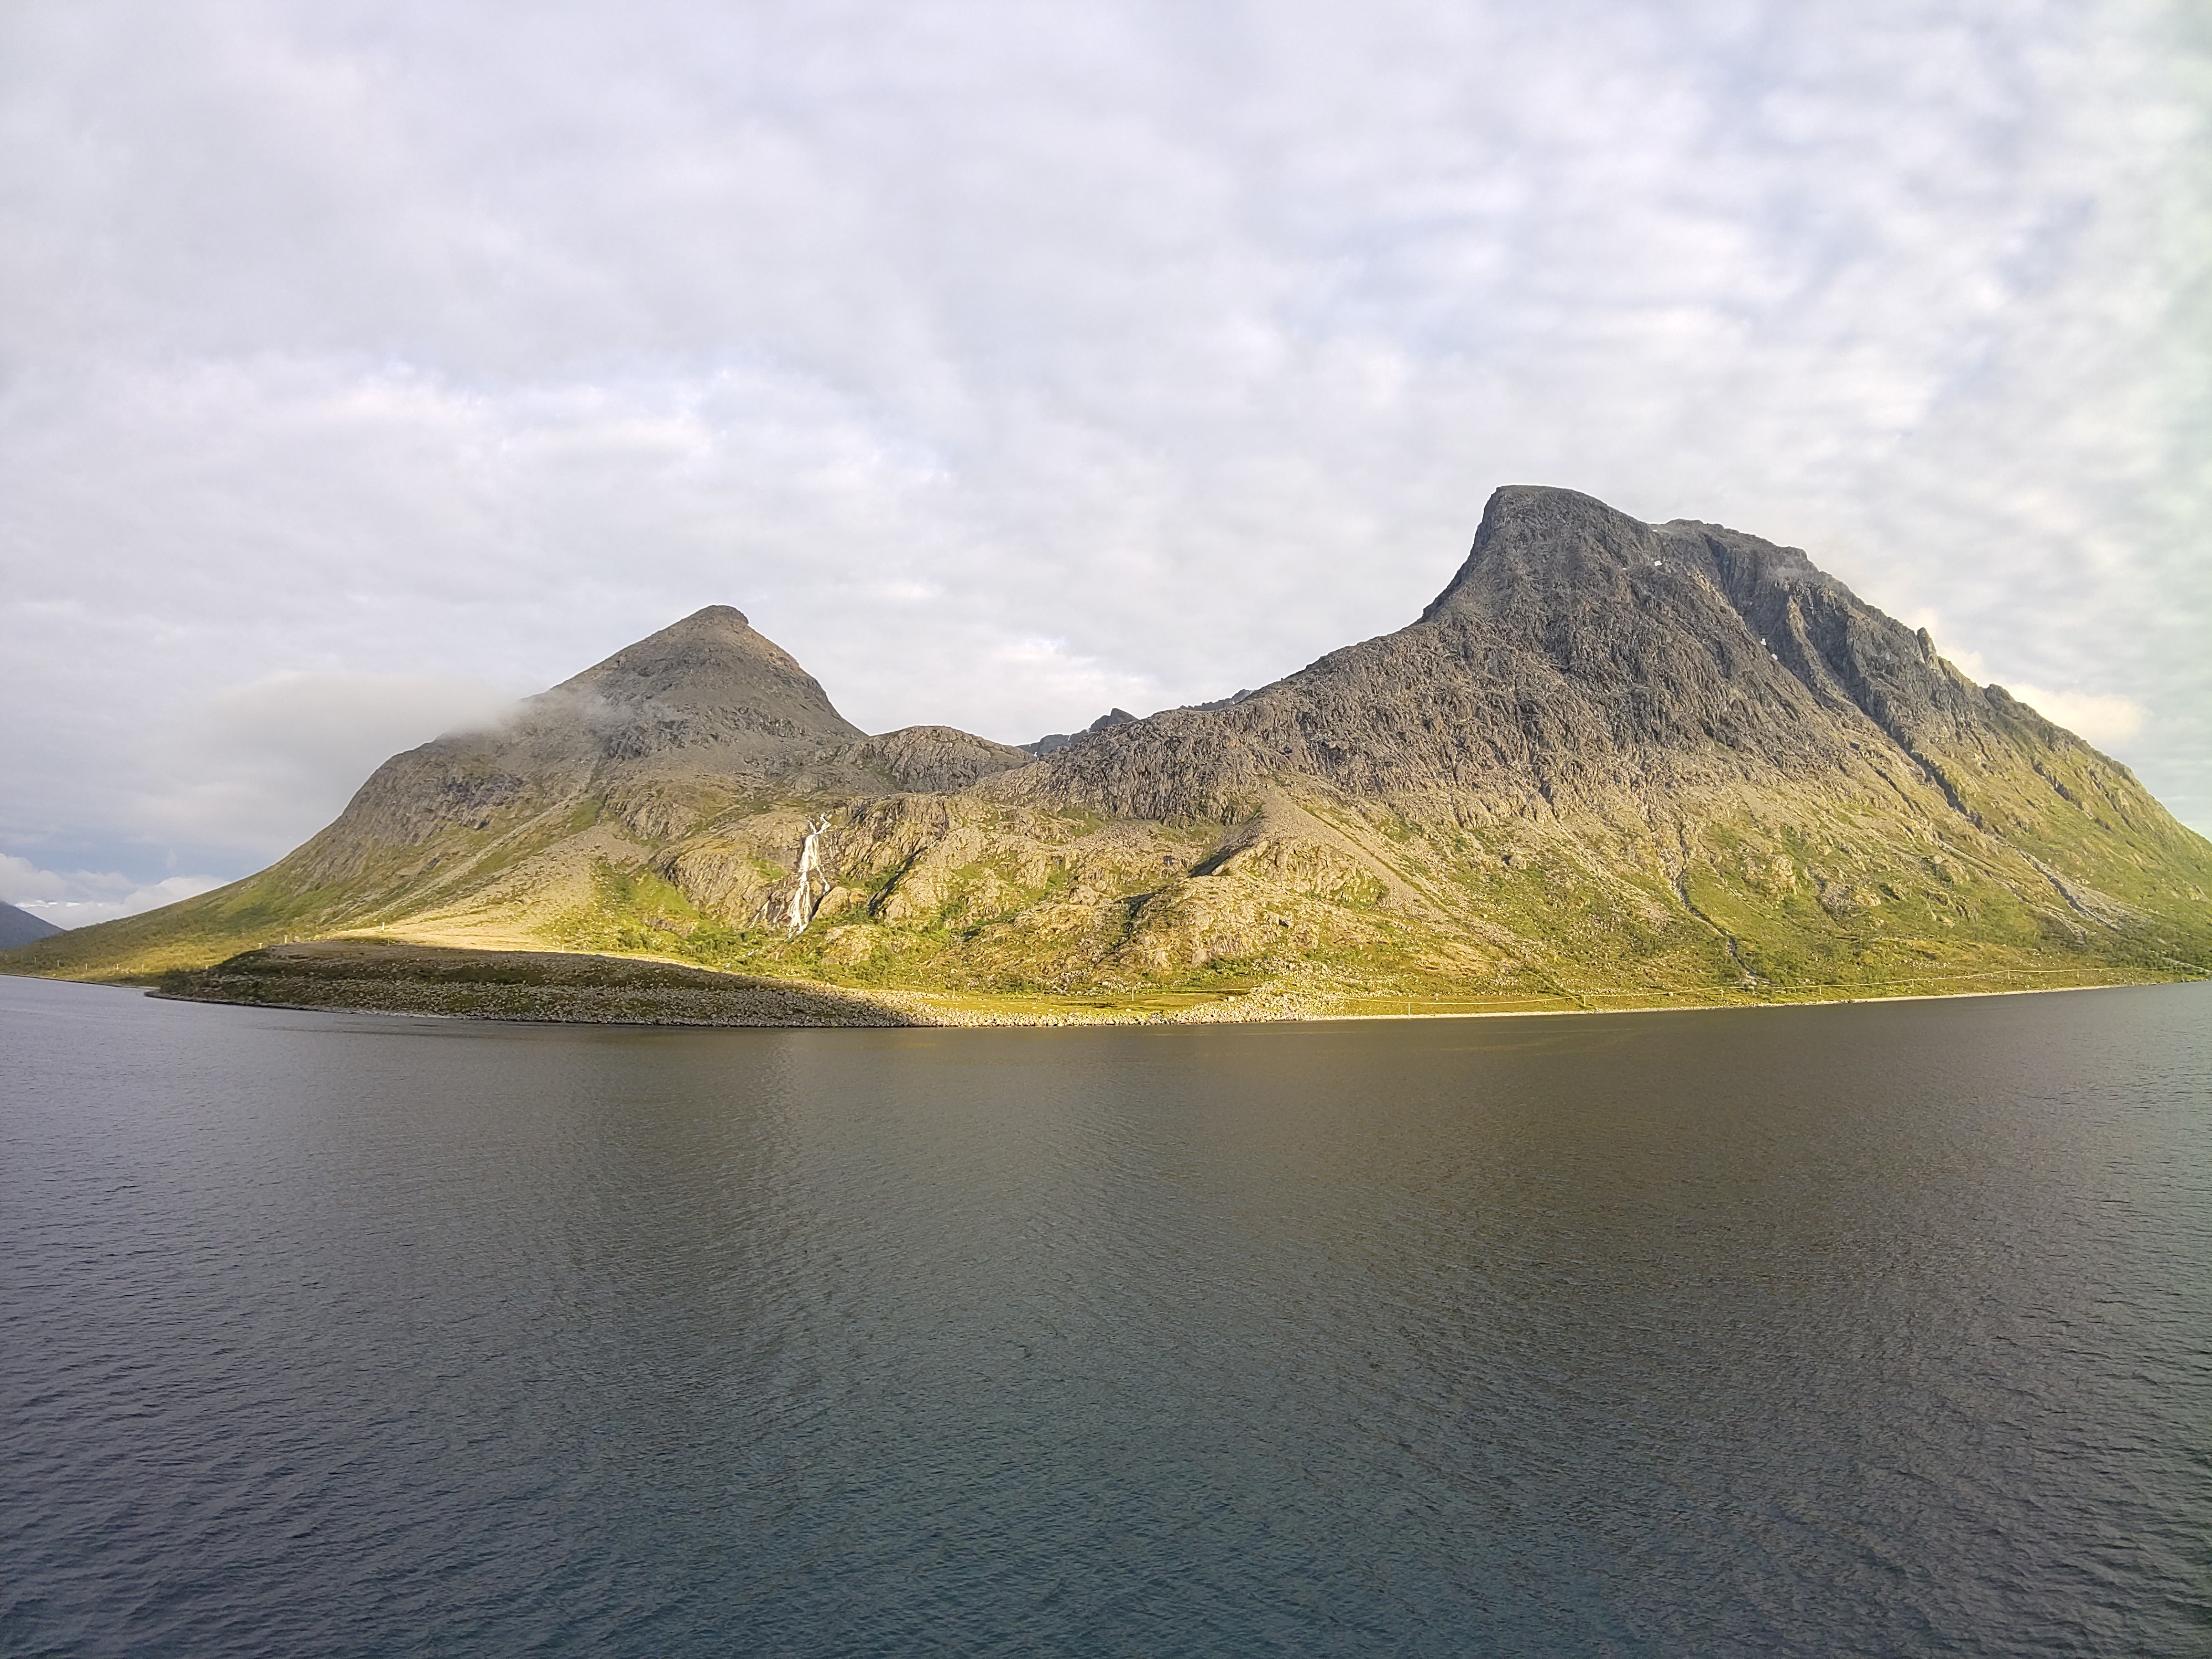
x=803, y=900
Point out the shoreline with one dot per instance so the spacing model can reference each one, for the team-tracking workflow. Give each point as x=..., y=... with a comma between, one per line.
x=903, y=1016
x=372, y=974
x=1795, y=1002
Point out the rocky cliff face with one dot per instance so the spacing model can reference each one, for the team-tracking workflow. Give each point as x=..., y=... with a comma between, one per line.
x=1579, y=663
x=1611, y=760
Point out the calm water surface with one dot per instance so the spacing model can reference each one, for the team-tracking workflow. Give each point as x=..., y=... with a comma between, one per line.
x=1874, y=1329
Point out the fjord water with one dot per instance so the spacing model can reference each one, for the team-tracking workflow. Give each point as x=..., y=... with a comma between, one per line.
x=1880, y=1328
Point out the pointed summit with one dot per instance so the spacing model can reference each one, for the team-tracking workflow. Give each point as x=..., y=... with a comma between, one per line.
x=704, y=680
x=703, y=713
x=1536, y=540
x=1584, y=663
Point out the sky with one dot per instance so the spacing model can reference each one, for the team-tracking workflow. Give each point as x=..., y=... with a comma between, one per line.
x=366, y=365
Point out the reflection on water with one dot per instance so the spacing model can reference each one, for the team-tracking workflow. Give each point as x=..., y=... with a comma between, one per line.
x=1877, y=1329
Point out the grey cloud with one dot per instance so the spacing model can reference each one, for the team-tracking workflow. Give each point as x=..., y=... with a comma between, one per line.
x=1005, y=363
x=259, y=766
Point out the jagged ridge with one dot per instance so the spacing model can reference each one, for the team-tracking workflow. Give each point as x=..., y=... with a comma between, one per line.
x=1582, y=660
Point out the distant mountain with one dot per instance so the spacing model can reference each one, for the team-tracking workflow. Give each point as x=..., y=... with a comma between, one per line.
x=1053, y=742
x=21, y=927
x=1612, y=763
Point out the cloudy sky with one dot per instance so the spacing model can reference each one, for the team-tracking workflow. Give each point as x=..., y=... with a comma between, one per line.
x=363, y=364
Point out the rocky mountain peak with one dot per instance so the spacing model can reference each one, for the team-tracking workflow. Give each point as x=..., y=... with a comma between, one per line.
x=704, y=713
x=1536, y=541
x=1581, y=659
x=711, y=667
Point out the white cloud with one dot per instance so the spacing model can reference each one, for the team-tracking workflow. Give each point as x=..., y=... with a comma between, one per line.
x=22, y=882
x=81, y=897
x=2104, y=720
x=381, y=345
x=1077, y=681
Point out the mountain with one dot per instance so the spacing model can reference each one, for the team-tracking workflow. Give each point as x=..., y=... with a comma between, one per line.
x=660, y=737
x=1612, y=763
x=21, y=927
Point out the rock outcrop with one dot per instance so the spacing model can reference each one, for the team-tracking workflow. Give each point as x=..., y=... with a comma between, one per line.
x=936, y=759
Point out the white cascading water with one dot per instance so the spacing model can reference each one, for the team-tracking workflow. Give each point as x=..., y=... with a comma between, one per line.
x=810, y=872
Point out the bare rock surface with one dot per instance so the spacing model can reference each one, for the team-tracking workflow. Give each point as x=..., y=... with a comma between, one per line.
x=1578, y=662
x=937, y=759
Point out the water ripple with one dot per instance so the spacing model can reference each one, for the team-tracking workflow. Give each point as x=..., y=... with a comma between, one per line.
x=1881, y=1329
